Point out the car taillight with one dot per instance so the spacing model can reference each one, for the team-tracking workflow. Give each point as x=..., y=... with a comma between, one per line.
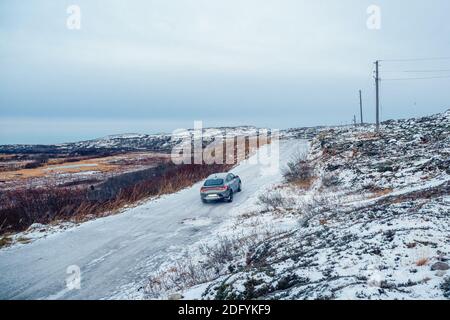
x=224, y=188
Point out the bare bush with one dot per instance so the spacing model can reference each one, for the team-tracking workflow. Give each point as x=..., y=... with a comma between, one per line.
x=185, y=273
x=20, y=208
x=216, y=261
x=182, y=274
x=219, y=253
x=330, y=180
x=316, y=206
x=271, y=201
x=299, y=169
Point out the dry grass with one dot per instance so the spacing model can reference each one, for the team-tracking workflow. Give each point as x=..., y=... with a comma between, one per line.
x=271, y=201
x=304, y=184
x=21, y=207
x=380, y=192
x=81, y=164
x=422, y=262
x=300, y=171
x=216, y=261
x=248, y=215
x=5, y=241
x=23, y=240
x=4, y=157
x=411, y=245
x=365, y=136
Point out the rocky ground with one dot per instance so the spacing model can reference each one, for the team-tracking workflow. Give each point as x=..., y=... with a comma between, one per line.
x=370, y=221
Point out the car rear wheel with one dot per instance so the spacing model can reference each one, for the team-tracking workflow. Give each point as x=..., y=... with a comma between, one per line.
x=239, y=187
x=230, y=197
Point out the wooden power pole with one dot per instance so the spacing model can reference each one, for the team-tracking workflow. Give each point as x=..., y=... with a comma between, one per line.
x=361, y=107
x=377, y=91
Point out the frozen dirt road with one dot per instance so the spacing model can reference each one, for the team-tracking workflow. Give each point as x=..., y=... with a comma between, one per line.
x=119, y=251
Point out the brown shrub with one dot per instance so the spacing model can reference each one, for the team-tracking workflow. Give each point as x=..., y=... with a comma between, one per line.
x=422, y=262
x=20, y=208
x=299, y=171
x=271, y=201
x=379, y=192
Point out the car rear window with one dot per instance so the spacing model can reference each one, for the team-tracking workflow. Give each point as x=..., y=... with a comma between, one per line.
x=213, y=182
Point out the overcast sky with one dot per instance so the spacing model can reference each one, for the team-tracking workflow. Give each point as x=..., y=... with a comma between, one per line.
x=154, y=66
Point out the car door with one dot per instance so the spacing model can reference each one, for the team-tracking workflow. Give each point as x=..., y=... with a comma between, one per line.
x=232, y=181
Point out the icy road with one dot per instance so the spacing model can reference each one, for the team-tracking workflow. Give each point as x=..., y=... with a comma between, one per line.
x=120, y=251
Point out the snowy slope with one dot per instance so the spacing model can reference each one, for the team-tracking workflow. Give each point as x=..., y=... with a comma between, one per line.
x=374, y=224
x=117, y=253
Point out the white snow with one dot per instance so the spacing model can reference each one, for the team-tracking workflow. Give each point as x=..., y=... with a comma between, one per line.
x=116, y=254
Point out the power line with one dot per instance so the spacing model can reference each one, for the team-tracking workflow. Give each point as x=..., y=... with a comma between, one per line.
x=419, y=59
x=378, y=79
x=417, y=71
x=426, y=71
x=418, y=78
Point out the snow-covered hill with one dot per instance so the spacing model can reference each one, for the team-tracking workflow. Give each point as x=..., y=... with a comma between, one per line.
x=163, y=142
x=374, y=224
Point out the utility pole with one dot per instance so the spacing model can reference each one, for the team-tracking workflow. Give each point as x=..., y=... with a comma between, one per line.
x=361, y=107
x=354, y=120
x=377, y=89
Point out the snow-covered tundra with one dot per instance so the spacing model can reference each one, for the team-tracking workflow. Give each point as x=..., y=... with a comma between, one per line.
x=361, y=216
x=350, y=214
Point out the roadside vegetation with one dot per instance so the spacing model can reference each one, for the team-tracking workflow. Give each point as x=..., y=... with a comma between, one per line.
x=22, y=207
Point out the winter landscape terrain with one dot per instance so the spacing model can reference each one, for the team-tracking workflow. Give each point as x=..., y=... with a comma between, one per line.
x=348, y=214
x=119, y=251
x=365, y=216
x=90, y=162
